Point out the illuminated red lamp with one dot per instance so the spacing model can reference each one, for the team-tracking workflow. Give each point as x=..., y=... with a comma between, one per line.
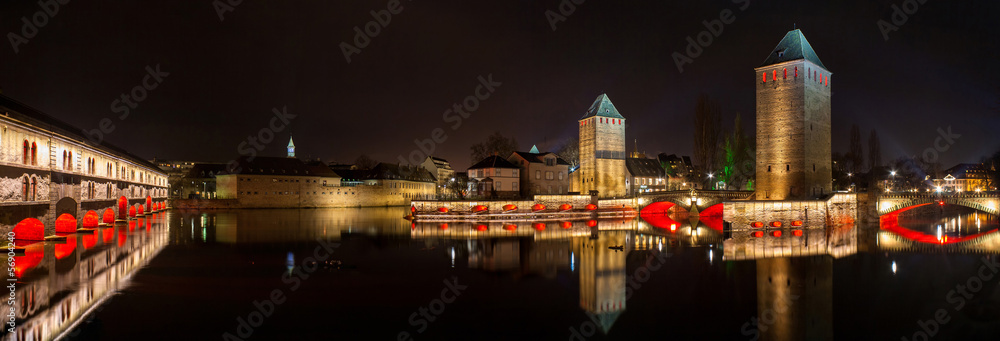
x=480, y=208
x=757, y=224
x=941, y=203
x=66, y=223
x=509, y=207
x=591, y=223
x=775, y=224
x=539, y=226
x=797, y=233
x=444, y=226
x=565, y=207
x=481, y=228
x=443, y=209
x=90, y=219
x=796, y=223
x=537, y=207
x=757, y=234
x=591, y=207
x=131, y=211
x=413, y=209
x=776, y=233
x=109, y=216
x=510, y=227
x=29, y=229
x=567, y=225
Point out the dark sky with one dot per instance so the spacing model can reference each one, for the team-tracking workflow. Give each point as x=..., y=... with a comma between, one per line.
x=939, y=69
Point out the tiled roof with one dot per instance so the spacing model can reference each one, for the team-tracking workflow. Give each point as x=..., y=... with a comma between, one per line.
x=538, y=157
x=493, y=162
x=387, y=171
x=602, y=107
x=644, y=167
x=793, y=46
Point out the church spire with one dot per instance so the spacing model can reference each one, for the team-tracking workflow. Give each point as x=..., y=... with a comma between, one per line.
x=291, y=147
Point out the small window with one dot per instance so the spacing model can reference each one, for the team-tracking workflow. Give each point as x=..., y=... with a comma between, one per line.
x=796, y=72
x=768, y=168
x=765, y=78
x=774, y=75
x=814, y=167
x=785, y=72
x=788, y=168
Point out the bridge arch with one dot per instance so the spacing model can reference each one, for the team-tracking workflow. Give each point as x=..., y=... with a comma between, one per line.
x=29, y=229
x=122, y=208
x=91, y=219
x=66, y=223
x=109, y=216
x=899, y=203
x=66, y=205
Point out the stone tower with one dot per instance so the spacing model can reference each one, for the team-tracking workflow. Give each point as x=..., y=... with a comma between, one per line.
x=793, y=122
x=602, y=150
x=290, y=147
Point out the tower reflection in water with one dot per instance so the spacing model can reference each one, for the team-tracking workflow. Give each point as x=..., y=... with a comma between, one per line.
x=59, y=282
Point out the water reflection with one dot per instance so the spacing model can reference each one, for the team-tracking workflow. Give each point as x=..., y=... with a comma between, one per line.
x=934, y=227
x=58, y=282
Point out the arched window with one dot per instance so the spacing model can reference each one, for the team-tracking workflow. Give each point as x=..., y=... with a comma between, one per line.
x=70, y=160
x=774, y=75
x=26, y=151
x=34, y=154
x=764, y=77
x=24, y=189
x=64, y=160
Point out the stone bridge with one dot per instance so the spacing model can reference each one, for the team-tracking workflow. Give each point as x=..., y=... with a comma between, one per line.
x=55, y=179
x=987, y=202
x=689, y=198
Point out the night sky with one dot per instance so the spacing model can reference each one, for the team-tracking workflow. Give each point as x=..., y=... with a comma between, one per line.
x=939, y=69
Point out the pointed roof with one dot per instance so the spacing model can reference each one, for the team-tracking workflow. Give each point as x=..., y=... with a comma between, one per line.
x=493, y=162
x=793, y=46
x=290, y=142
x=602, y=107
x=534, y=150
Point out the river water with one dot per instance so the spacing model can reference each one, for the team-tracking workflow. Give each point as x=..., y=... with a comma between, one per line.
x=368, y=274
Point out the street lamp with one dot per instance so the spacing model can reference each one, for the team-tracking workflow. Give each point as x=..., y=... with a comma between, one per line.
x=710, y=176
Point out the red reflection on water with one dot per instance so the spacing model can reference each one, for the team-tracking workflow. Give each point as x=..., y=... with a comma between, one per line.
x=122, y=236
x=109, y=235
x=66, y=248
x=712, y=217
x=890, y=222
x=89, y=240
x=661, y=207
x=33, y=254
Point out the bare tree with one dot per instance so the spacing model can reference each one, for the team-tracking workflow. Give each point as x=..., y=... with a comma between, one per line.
x=570, y=152
x=857, y=153
x=874, y=151
x=707, y=127
x=495, y=144
x=364, y=162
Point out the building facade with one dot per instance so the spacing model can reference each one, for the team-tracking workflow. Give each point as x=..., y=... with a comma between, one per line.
x=541, y=173
x=644, y=176
x=602, y=150
x=793, y=122
x=441, y=169
x=495, y=177
x=965, y=177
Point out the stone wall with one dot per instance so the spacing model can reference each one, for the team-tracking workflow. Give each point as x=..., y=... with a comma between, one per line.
x=840, y=208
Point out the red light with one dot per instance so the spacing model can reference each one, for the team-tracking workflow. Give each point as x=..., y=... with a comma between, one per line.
x=776, y=233
x=480, y=208
x=567, y=225
x=757, y=224
x=796, y=223
x=481, y=227
x=757, y=234
x=941, y=203
x=66, y=223
x=538, y=207
x=591, y=207
x=443, y=209
x=797, y=233
x=775, y=224
x=591, y=223
x=510, y=227
x=565, y=207
x=413, y=209
x=444, y=226
x=539, y=226
x=509, y=207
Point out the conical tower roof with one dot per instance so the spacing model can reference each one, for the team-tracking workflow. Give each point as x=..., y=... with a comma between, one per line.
x=291, y=143
x=793, y=46
x=602, y=107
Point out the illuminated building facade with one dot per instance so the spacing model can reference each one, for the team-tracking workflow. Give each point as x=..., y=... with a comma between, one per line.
x=602, y=150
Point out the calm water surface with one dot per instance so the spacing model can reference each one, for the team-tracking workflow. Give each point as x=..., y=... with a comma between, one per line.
x=368, y=274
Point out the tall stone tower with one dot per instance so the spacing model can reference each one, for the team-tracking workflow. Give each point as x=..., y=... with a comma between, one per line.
x=602, y=150
x=793, y=122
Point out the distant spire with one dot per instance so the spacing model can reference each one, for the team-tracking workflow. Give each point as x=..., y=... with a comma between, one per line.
x=291, y=146
x=534, y=150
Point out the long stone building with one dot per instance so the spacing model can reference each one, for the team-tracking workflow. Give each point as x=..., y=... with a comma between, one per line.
x=50, y=171
x=602, y=150
x=793, y=122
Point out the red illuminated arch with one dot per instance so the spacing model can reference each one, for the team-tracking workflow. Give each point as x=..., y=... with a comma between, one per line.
x=122, y=207
x=66, y=223
x=29, y=229
x=149, y=203
x=139, y=210
x=90, y=219
x=659, y=207
x=131, y=211
x=109, y=216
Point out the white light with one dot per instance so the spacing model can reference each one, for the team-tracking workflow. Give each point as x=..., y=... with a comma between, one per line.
x=893, y=173
x=572, y=262
x=894, y=267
